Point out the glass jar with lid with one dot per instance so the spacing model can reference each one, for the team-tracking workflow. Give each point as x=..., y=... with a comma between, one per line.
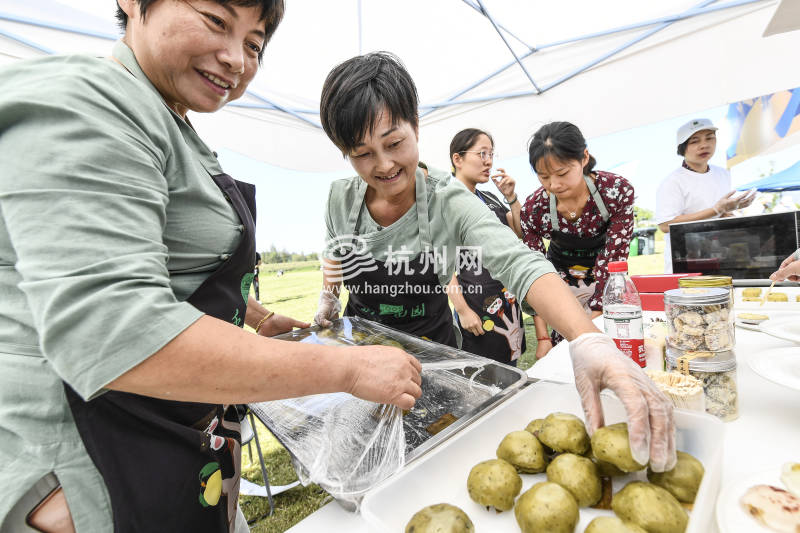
x=717, y=372
x=721, y=282
x=699, y=318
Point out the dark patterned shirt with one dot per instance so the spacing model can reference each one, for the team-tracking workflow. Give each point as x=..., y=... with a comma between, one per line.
x=617, y=194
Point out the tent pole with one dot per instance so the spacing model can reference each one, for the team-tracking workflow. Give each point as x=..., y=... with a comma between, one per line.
x=620, y=48
x=61, y=27
x=26, y=42
x=360, y=47
x=451, y=100
x=478, y=9
x=284, y=109
x=500, y=33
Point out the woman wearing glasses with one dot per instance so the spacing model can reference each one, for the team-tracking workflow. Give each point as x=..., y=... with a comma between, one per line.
x=586, y=214
x=487, y=313
x=369, y=111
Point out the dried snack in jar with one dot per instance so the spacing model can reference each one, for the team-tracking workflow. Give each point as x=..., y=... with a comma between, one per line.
x=699, y=319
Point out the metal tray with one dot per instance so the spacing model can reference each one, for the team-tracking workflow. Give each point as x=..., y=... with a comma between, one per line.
x=454, y=382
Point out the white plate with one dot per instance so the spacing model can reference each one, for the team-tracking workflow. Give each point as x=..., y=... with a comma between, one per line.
x=441, y=475
x=786, y=328
x=731, y=518
x=779, y=365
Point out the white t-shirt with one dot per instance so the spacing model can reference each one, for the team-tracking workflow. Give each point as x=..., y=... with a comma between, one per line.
x=684, y=192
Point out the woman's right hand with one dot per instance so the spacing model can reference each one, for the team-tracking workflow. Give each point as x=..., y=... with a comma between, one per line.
x=789, y=269
x=543, y=348
x=384, y=374
x=328, y=308
x=471, y=322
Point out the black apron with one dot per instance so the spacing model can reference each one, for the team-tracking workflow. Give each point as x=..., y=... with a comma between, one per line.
x=567, y=251
x=167, y=465
x=419, y=305
x=504, y=337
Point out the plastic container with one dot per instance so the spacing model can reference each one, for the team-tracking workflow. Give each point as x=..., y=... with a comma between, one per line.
x=441, y=476
x=720, y=282
x=718, y=375
x=622, y=313
x=699, y=319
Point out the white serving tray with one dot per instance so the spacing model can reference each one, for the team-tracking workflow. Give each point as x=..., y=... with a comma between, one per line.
x=441, y=476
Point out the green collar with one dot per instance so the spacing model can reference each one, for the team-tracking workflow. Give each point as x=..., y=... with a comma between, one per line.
x=122, y=53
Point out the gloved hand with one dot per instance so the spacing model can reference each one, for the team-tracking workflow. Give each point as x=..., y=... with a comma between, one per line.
x=729, y=203
x=746, y=199
x=598, y=365
x=328, y=309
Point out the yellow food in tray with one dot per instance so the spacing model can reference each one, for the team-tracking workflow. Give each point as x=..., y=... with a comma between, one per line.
x=751, y=292
x=777, y=297
x=751, y=298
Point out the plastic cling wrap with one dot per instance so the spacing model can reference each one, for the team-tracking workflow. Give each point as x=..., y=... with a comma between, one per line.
x=348, y=445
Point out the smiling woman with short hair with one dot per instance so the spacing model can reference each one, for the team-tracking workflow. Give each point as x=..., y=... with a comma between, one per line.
x=394, y=235
x=126, y=260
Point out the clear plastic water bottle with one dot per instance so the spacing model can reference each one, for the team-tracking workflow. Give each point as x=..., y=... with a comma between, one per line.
x=622, y=312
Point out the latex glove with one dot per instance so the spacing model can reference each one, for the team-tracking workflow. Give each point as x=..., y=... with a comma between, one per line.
x=789, y=269
x=328, y=309
x=277, y=324
x=471, y=322
x=598, y=365
x=729, y=203
x=746, y=199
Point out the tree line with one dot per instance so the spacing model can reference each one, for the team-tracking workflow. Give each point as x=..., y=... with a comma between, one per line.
x=282, y=256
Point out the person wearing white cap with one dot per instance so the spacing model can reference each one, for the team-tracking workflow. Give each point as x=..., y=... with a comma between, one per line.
x=695, y=190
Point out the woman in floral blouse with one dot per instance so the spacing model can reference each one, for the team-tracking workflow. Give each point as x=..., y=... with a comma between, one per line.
x=586, y=214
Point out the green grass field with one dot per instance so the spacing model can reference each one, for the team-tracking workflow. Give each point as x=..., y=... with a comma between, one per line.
x=295, y=294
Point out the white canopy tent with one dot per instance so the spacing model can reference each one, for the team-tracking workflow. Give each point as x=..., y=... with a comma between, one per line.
x=667, y=59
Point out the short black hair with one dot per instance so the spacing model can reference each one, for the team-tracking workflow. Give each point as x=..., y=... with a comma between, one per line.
x=356, y=92
x=560, y=140
x=682, y=147
x=271, y=14
x=464, y=140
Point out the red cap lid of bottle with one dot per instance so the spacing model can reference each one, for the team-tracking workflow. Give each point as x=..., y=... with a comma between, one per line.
x=618, y=266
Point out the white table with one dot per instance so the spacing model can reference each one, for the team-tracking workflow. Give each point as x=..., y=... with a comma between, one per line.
x=766, y=434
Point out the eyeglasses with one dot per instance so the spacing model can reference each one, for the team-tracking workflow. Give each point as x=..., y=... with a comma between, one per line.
x=484, y=155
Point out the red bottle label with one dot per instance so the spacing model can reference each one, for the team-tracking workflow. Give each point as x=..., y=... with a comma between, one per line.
x=633, y=348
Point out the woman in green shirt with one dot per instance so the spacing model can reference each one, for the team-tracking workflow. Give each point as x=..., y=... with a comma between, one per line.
x=369, y=110
x=126, y=257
